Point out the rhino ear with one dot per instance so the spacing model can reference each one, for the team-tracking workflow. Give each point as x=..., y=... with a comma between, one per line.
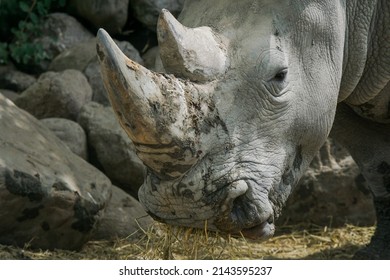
x=194, y=53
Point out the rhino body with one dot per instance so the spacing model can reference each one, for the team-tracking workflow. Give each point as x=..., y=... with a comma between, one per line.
x=248, y=92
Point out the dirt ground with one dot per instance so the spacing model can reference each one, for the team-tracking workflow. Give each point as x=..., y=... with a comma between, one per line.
x=167, y=242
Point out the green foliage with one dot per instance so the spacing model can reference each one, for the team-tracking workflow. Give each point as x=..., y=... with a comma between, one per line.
x=3, y=53
x=20, y=22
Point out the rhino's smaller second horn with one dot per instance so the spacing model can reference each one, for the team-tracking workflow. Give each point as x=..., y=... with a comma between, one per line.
x=194, y=53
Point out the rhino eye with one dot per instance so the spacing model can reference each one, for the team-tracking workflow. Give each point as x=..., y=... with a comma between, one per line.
x=277, y=83
x=280, y=76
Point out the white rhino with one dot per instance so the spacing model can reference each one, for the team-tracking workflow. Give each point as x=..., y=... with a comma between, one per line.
x=249, y=92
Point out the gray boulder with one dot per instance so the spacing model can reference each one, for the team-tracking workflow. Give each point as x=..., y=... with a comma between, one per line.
x=9, y=94
x=70, y=133
x=59, y=33
x=16, y=81
x=77, y=57
x=6, y=68
x=332, y=192
x=110, y=148
x=108, y=14
x=124, y=217
x=130, y=51
x=147, y=11
x=92, y=72
x=56, y=95
x=49, y=197
x=150, y=58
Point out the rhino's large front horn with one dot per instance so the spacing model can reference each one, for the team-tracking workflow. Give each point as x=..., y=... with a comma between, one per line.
x=194, y=53
x=161, y=114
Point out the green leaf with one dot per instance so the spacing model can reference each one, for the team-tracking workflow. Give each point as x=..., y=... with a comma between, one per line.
x=34, y=18
x=3, y=53
x=21, y=21
x=24, y=7
x=29, y=26
x=21, y=25
x=47, y=3
x=62, y=3
x=41, y=9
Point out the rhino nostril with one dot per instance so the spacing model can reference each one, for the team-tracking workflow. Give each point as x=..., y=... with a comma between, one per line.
x=247, y=212
x=244, y=213
x=238, y=189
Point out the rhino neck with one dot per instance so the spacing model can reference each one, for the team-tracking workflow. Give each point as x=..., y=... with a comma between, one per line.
x=366, y=60
x=362, y=21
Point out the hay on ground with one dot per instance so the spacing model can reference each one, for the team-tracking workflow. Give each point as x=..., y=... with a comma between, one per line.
x=169, y=242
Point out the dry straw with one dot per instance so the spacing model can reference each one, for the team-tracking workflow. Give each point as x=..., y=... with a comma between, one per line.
x=168, y=242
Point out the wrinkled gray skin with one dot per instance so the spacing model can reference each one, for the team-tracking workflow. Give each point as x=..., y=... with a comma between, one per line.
x=252, y=91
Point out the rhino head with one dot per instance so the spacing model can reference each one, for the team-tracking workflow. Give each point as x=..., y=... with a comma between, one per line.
x=247, y=97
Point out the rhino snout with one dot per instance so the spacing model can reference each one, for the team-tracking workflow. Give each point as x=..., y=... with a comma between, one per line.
x=246, y=216
x=262, y=231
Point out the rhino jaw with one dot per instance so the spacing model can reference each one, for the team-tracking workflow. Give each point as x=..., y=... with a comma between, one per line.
x=230, y=209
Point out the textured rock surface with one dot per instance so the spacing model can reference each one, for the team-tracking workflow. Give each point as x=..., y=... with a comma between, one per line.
x=77, y=57
x=129, y=50
x=9, y=94
x=110, y=147
x=108, y=14
x=150, y=58
x=59, y=95
x=16, y=81
x=69, y=132
x=60, y=32
x=124, y=217
x=92, y=72
x=332, y=192
x=49, y=197
x=147, y=11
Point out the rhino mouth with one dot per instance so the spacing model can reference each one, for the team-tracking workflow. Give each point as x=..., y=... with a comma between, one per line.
x=250, y=217
x=262, y=232
x=259, y=231
x=229, y=208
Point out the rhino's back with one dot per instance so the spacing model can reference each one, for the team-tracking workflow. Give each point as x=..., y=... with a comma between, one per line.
x=368, y=58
